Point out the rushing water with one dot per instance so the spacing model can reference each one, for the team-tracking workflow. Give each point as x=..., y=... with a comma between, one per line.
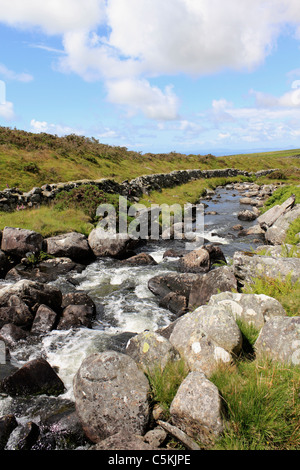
x=124, y=303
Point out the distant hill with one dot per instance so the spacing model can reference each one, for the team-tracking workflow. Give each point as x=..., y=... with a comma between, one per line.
x=28, y=160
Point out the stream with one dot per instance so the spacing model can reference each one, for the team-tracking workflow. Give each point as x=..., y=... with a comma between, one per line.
x=124, y=304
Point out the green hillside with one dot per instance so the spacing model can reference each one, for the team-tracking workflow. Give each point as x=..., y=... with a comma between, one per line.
x=28, y=160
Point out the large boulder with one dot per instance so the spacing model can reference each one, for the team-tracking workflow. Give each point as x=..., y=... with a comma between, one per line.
x=45, y=271
x=75, y=316
x=32, y=294
x=269, y=218
x=180, y=284
x=7, y=424
x=251, y=309
x=17, y=242
x=44, y=321
x=247, y=266
x=151, y=351
x=201, y=259
x=206, y=337
x=36, y=377
x=111, y=395
x=279, y=340
x=220, y=279
x=276, y=234
x=70, y=245
x=123, y=441
x=197, y=409
x=15, y=311
x=114, y=245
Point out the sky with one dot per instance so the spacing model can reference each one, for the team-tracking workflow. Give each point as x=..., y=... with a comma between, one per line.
x=190, y=76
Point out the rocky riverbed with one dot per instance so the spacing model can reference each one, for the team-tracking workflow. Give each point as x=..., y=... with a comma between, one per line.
x=77, y=321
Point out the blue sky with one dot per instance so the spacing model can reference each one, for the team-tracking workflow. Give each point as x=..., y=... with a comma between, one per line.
x=192, y=76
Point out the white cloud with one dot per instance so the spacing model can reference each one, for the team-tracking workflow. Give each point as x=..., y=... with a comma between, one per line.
x=11, y=75
x=53, y=16
x=139, y=95
x=58, y=129
x=126, y=43
x=7, y=111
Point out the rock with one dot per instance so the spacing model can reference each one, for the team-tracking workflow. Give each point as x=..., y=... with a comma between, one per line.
x=16, y=312
x=177, y=304
x=237, y=227
x=269, y=218
x=111, y=395
x=17, y=242
x=11, y=334
x=44, y=321
x=5, y=264
x=142, y=259
x=70, y=245
x=113, y=245
x=123, y=441
x=174, y=253
x=75, y=316
x=247, y=215
x=151, y=351
x=179, y=435
x=205, y=337
x=245, y=200
x=32, y=294
x=77, y=298
x=247, y=266
x=34, y=378
x=201, y=260
x=255, y=230
x=252, y=309
x=45, y=271
x=281, y=251
x=197, y=409
x=65, y=427
x=276, y=234
x=25, y=436
x=181, y=284
x=7, y=424
x=155, y=437
x=218, y=280
x=279, y=340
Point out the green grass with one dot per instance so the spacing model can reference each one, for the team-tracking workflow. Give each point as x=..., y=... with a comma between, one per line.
x=285, y=291
x=292, y=236
x=281, y=195
x=47, y=221
x=187, y=193
x=262, y=405
x=164, y=384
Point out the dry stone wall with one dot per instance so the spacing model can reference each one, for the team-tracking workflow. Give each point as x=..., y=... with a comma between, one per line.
x=12, y=198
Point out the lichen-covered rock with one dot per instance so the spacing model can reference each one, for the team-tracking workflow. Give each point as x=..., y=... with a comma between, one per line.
x=206, y=337
x=197, y=408
x=221, y=279
x=279, y=339
x=151, y=351
x=251, y=309
x=111, y=395
x=247, y=266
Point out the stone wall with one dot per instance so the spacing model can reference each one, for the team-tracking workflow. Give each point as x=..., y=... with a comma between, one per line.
x=13, y=199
